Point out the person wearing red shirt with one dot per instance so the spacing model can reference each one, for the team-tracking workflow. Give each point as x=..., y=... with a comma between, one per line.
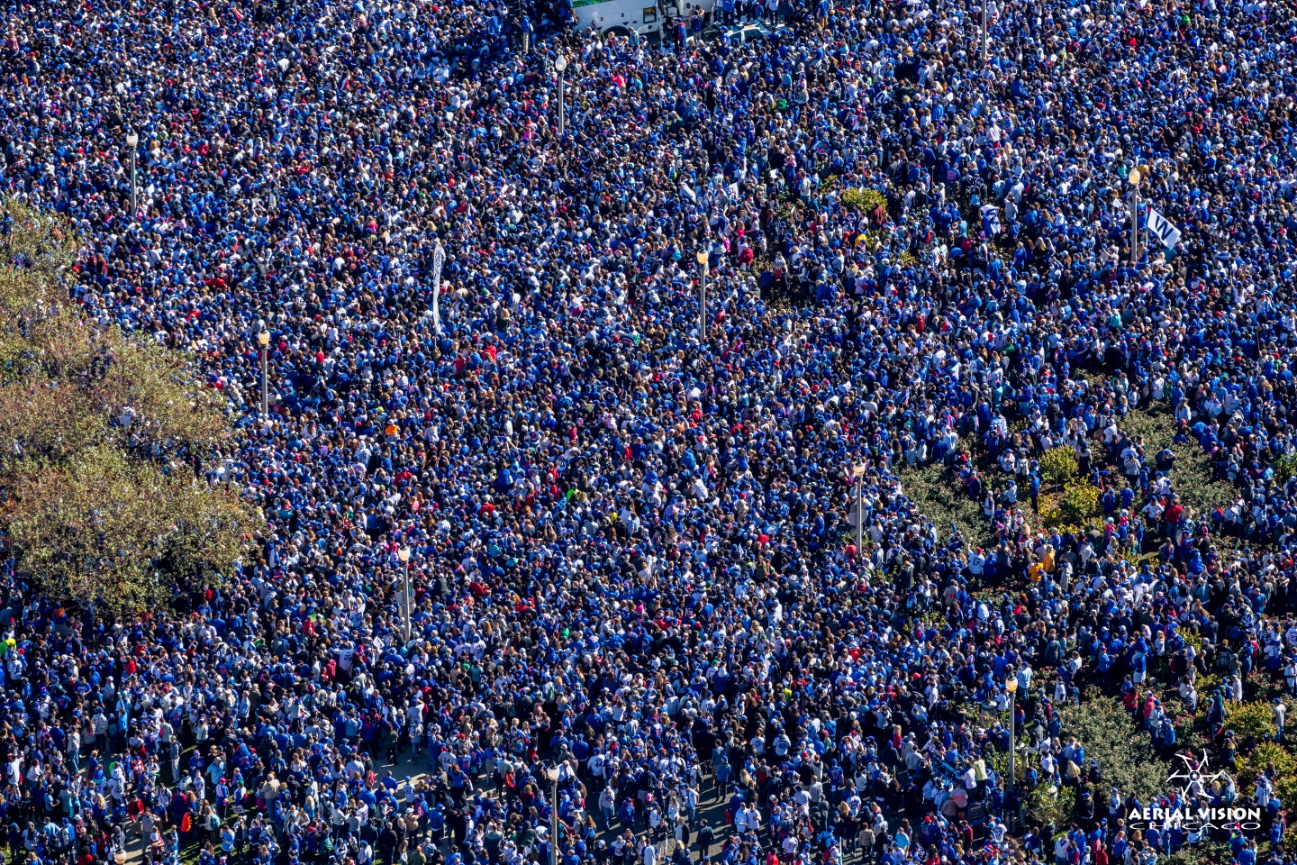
x=1174, y=512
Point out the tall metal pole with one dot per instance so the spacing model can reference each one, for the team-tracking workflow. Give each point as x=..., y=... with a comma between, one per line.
x=265, y=386
x=1013, y=725
x=701, y=257
x=403, y=556
x=553, y=822
x=408, y=632
x=702, y=300
x=1134, y=226
x=263, y=339
x=560, y=66
x=132, y=141
x=860, y=516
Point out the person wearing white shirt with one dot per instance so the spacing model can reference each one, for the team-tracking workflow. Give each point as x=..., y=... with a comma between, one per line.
x=741, y=820
x=790, y=845
x=1048, y=765
x=752, y=819
x=1061, y=848
x=607, y=802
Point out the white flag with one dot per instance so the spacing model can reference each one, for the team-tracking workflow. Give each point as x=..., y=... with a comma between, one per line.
x=438, y=259
x=1163, y=228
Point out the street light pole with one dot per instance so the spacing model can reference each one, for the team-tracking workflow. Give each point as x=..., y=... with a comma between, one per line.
x=1012, y=685
x=551, y=772
x=560, y=66
x=263, y=339
x=859, y=472
x=404, y=556
x=131, y=140
x=1134, y=178
x=702, y=294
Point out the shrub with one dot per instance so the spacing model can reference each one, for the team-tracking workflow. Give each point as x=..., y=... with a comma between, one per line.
x=1050, y=516
x=1126, y=758
x=1285, y=467
x=1058, y=465
x=934, y=495
x=1080, y=503
x=1209, y=851
x=1259, y=760
x=863, y=199
x=1250, y=719
x=1047, y=804
x=1206, y=684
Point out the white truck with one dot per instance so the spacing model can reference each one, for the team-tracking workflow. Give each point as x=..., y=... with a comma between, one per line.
x=645, y=17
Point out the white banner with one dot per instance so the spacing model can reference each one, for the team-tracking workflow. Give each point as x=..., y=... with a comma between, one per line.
x=438, y=259
x=1163, y=228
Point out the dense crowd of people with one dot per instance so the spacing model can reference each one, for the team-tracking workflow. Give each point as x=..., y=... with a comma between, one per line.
x=631, y=517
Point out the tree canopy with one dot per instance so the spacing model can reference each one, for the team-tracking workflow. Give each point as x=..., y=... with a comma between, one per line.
x=105, y=441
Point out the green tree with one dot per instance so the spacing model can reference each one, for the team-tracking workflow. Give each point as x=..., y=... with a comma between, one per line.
x=103, y=444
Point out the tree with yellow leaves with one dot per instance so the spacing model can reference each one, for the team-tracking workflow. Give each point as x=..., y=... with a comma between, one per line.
x=104, y=441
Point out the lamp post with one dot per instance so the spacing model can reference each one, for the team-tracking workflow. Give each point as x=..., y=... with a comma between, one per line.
x=1011, y=685
x=404, y=555
x=560, y=66
x=131, y=140
x=263, y=339
x=859, y=472
x=702, y=294
x=1133, y=179
x=551, y=772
